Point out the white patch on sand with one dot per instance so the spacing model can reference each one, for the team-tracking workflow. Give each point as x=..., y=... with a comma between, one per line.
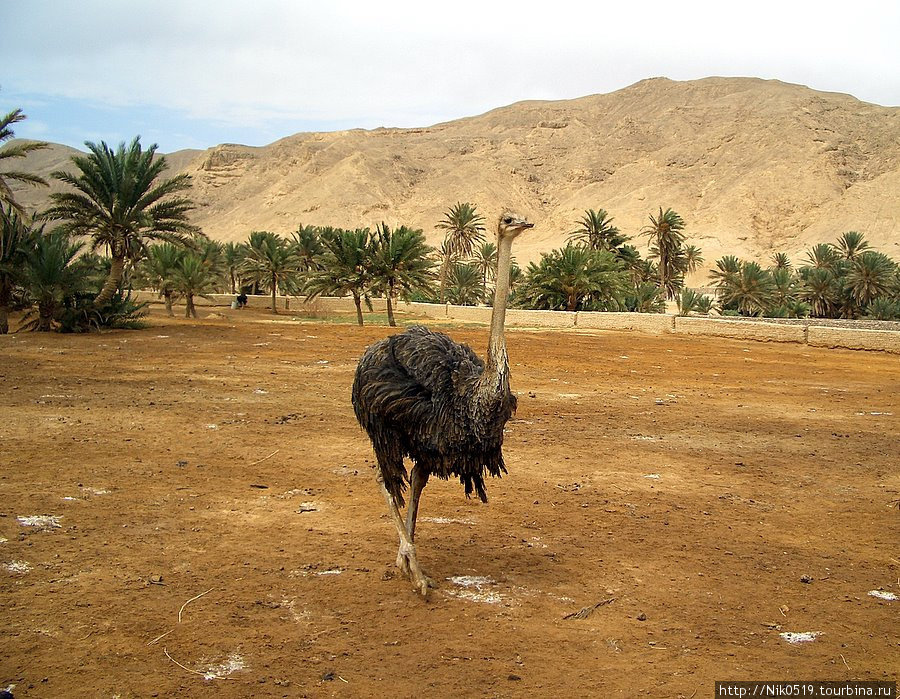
x=332, y=571
x=232, y=663
x=473, y=589
x=40, y=521
x=883, y=594
x=260, y=391
x=17, y=567
x=800, y=636
x=653, y=476
x=446, y=520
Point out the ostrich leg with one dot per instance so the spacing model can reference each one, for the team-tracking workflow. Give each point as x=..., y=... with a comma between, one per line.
x=407, y=551
x=417, y=481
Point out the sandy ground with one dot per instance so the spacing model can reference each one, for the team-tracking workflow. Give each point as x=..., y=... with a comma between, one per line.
x=216, y=529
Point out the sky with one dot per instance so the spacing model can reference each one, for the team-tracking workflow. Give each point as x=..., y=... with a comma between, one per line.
x=196, y=73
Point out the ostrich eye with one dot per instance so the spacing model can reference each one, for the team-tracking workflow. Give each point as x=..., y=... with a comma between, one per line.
x=507, y=220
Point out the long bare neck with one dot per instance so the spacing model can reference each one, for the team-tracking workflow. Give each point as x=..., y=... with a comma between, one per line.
x=496, y=373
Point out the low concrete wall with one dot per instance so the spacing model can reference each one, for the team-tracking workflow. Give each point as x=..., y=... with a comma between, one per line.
x=878, y=340
x=539, y=319
x=642, y=322
x=469, y=314
x=884, y=340
x=146, y=297
x=429, y=310
x=740, y=330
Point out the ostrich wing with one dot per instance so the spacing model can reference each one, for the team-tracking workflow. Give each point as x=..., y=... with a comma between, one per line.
x=419, y=383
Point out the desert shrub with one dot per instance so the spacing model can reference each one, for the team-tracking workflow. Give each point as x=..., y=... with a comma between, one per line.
x=78, y=314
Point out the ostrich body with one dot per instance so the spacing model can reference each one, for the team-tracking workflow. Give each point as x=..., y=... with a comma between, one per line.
x=423, y=396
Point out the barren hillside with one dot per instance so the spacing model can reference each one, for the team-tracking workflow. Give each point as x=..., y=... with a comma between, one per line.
x=753, y=166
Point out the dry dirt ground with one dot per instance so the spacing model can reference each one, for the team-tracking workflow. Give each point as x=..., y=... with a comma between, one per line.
x=218, y=531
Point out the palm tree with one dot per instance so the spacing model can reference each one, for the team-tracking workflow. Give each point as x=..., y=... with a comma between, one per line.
x=120, y=204
x=485, y=260
x=596, y=231
x=823, y=256
x=50, y=274
x=869, y=276
x=787, y=286
x=751, y=291
x=17, y=150
x=345, y=266
x=666, y=240
x=15, y=238
x=639, y=269
x=851, y=244
x=725, y=275
x=516, y=276
x=308, y=245
x=212, y=252
x=693, y=258
x=464, y=228
x=232, y=259
x=645, y=297
x=158, y=269
x=780, y=260
x=401, y=264
x=821, y=291
x=271, y=262
x=690, y=301
x=192, y=277
x=465, y=285
x=883, y=309
x=576, y=278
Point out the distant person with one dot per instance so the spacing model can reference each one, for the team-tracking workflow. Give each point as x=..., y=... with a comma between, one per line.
x=241, y=300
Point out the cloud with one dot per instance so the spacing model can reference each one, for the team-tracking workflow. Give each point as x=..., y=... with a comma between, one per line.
x=405, y=63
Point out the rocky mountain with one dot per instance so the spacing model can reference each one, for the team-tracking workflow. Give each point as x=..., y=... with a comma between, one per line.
x=753, y=166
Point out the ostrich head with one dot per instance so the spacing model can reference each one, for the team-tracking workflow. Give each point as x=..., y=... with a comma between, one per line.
x=511, y=225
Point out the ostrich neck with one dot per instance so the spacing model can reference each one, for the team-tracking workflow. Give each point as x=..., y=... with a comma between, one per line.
x=495, y=379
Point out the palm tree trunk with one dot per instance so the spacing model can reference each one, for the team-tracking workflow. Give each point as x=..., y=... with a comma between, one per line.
x=5, y=293
x=390, y=307
x=445, y=269
x=116, y=272
x=663, y=272
x=358, y=301
x=274, y=293
x=189, y=309
x=45, y=316
x=167, y=295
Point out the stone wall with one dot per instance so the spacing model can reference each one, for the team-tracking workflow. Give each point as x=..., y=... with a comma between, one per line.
x=642, y=322
x=880, y=340
x=741, y=330
x=884, y=340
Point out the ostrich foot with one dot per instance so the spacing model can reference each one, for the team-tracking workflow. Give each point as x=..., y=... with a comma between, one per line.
x=409, y=565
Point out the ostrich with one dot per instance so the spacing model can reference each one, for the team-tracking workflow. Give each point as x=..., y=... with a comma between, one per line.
x=422, y=395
